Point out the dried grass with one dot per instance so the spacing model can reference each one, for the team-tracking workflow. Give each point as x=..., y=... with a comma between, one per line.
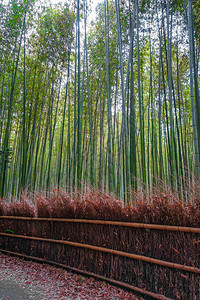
x=156, y=208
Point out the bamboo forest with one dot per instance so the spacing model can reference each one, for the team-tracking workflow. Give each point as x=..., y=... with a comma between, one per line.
x=101, y=94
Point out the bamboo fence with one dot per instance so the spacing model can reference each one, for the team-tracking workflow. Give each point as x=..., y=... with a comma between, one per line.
x=100, y=248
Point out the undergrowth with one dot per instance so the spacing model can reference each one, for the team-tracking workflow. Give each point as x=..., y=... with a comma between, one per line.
x=156, y=208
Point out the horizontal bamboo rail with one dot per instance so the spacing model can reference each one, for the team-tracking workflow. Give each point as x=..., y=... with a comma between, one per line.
x=110, y=280
x=113, y=223
x=111, y=251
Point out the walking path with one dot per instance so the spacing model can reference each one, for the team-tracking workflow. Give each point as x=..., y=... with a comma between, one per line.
x=24, y=280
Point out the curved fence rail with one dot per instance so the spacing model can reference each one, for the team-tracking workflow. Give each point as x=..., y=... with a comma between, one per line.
x=109, y=280
x=113, y=223
x=106, y=250
x=161, y=262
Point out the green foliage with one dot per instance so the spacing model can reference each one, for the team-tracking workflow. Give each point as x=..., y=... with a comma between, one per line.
x=53, y=35
x=51, y=94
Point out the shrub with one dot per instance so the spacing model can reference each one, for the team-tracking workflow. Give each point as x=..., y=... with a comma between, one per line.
x=94, y=204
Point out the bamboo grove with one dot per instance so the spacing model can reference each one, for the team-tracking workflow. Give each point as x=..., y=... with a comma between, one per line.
x=111, y=102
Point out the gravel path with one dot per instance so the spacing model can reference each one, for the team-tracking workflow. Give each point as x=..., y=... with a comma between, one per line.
x=23, y=280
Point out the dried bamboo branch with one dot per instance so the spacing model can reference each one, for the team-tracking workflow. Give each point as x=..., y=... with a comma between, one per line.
x=111, y=251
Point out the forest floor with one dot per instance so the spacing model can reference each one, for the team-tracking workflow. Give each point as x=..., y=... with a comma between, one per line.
x=23, y=280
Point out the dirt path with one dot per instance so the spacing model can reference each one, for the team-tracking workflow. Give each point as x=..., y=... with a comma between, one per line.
x=15, y=286
x=9, y=289
x=24, y=280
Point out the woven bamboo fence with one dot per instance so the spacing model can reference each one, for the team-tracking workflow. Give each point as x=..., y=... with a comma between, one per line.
x=157, y=259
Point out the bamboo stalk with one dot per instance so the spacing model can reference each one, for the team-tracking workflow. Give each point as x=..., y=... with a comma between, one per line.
x=113, y=223
x=111, y=251
x=115, y=282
